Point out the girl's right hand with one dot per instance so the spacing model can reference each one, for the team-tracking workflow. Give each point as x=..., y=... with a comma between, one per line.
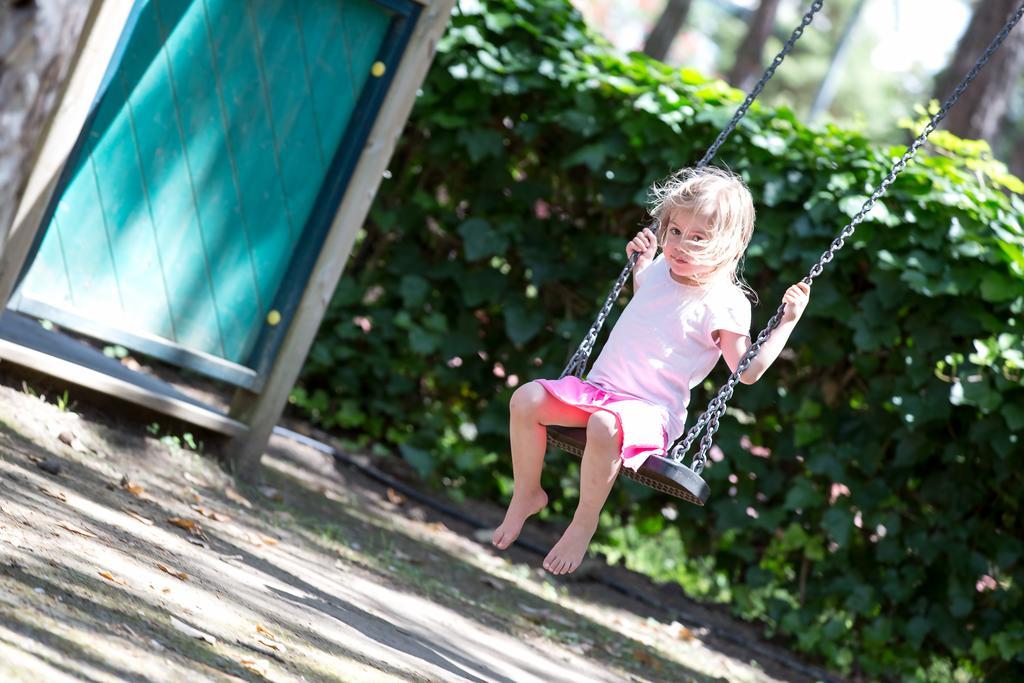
x=646, y=244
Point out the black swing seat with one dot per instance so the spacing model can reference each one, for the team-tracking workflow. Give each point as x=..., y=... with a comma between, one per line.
x=660, y=473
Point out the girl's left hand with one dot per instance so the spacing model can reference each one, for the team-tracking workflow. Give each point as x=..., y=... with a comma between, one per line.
x=796, y=299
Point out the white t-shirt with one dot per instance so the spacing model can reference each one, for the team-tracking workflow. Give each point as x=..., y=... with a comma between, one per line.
x=661, y=346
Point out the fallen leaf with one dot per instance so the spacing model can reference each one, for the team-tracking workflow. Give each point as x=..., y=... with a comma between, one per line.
x=135, y=515
x=259, y=539
x=70, y=439
x=75, y=530
x=59, y=495
x=437, y=526
x=167, y=570
x=131, y=488
x=257, y=666
x=646, y=659
x=189, y=525
x=234, y=495
x=395, y=497
x=110, y=577
x=268, y=634
x=210, y=514
x=192, y=632
x=272, y=645
x=677, y=630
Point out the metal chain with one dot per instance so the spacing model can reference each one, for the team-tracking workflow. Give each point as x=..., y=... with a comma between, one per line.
x=716, y=407
x=578, y=363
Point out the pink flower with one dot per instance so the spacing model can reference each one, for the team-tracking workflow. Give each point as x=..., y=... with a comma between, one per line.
x=455, y=362
x=512, y=380
x=986, y=583
x=751, y=512
x=716, y=454
x=837, y=490
x=542, y=209
x=499, y=370
x=757, y=451
x=858, y=520
x=363, y=323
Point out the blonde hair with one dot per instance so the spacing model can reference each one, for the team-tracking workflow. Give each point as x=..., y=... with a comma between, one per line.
x=723, y=199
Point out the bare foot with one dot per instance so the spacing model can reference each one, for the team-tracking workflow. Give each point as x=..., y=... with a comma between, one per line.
x=567, y=555
x=521, y=507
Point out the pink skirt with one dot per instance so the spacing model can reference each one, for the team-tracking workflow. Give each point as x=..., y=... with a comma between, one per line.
x=643, y=426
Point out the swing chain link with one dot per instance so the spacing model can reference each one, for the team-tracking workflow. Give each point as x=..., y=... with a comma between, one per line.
x=716, y=407
x=578, y=362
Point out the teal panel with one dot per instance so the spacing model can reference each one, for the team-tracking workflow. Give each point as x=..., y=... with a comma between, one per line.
x=333, y=92
x=49, y=276
x=169, y=181
x=209, y=162
x=341, y=68
x=295, y=131
x=194, y=185
x=253, y=155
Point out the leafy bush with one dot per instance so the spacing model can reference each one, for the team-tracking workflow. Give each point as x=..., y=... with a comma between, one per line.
x=871, y=511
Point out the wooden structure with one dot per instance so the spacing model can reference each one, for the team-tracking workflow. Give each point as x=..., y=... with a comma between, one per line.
x=200, y=189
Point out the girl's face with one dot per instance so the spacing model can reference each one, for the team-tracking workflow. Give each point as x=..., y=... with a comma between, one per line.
x=684, y=233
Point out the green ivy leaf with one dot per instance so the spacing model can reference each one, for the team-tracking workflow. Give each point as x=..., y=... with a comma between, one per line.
x=413, y=290
x=522, y=324
x=838, y=523
x=421, y=460
x=480, y=240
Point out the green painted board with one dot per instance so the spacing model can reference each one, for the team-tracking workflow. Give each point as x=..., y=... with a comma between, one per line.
x=202, y=167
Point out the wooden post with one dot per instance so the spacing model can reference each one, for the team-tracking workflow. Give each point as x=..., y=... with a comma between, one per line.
x=103, y=25
x=262, y=411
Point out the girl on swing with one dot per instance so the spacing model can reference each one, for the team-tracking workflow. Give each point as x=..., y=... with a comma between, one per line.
x=689, y=307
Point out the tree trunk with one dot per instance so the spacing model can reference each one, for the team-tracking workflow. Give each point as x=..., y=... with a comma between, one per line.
x=980, y=110
x=672, y=18
x=748, y=66
x=836, y=65
x=38, y=39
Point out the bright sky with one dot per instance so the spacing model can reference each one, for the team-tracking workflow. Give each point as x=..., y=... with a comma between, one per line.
x=925, y=31
x=908, y=31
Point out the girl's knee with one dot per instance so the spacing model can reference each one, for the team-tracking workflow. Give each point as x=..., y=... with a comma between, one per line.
x=527, y=399
x=603, y=426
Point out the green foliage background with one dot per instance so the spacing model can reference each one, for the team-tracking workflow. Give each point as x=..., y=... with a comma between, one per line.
x=868, y=504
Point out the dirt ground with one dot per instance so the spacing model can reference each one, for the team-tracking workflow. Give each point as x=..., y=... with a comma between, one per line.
x=126, y=555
